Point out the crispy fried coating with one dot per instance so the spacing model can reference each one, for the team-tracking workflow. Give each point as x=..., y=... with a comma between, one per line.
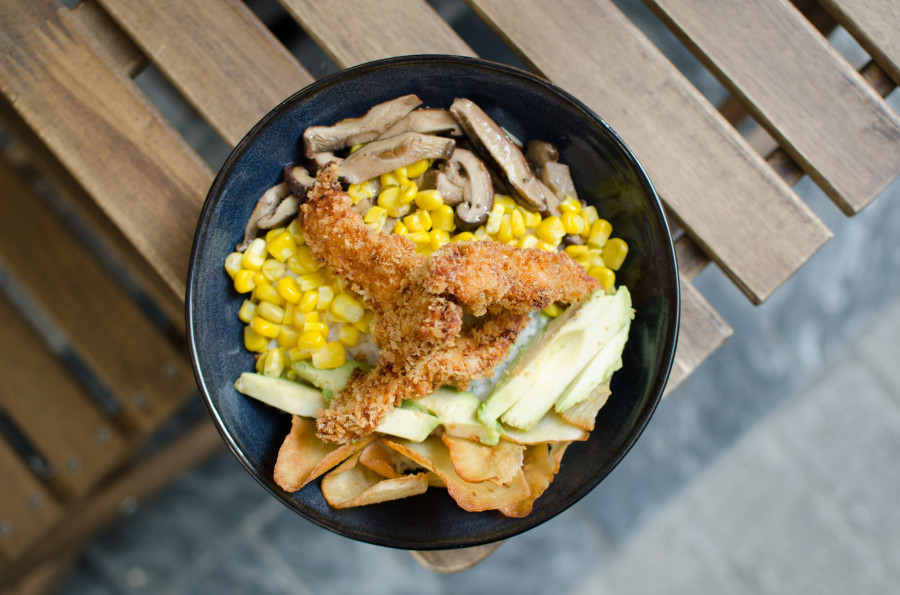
x=419, y=304
x=489, y=274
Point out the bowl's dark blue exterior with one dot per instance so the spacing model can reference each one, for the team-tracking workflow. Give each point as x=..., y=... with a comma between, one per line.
x=606, y=174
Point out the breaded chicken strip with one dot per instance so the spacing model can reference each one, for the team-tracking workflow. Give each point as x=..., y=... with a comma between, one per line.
x=488, y=274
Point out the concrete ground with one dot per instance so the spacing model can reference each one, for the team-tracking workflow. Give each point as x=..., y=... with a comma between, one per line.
x=772, y=469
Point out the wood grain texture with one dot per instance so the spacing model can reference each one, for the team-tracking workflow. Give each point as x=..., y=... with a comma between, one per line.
x=104, y=326
x=106, y=36
x=218, y=54
x=724, y=195
x=795, y=84
x=27, y=508
x=876, y=26
x=356, y=31
x=53, y=412
x=118, y=147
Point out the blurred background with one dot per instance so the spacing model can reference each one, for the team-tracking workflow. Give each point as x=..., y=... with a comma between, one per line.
x=771, y=469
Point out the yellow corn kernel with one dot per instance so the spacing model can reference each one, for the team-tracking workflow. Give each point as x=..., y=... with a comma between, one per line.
x=572, y=223
x=233, y=263
x=375, y=217
x=317, y=327
x=443, y=218
x=438, y=237
x=546, y=246
x=295, y=354
x=570, y=205
x=400, y=229
x=298, y=318
x=267, y=293
x=287, y=289
x=311, y=340
x=254, y=256
x=253, y=341
x=308, y=302
x=419, y=237
x=287, y=336
x=349, y=335
x=429, y=199
x=551, y=230
x=272, y=233
x=532, y=219
x=393, y=178
x=272, y=269
x=481, y=233
x=326, y=295
x=364, y=324
x=553, y=310
x=505, y=201
x=465, y=236
x=313, y=317
x=288, y=314
x=517, y=223
x=414, y=170
x=265, y=328
x=270, y=312
x=296, y=232
x=614, y=252
x=247, y=311
x=594, y=257
x=362, y=191
x=576, y=251
x=413, y=223
x=260, y=279
x=529, y=240
x=310, y=281
x=408, y=192
x=590, y=215
x=495, y=218
x=282, y=246
x=347, y=308
x=303, y=261
x=389, y=197
x=504, y=233
x=274, y=364
x=605, y=276
x=332, y=355
x=600, y=230
x=244, y=282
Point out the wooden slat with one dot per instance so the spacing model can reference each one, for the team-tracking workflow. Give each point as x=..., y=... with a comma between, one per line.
x=227, y=64
x=118, y=147
x=27, y=508
x=876, y=26
x=356, y=31
x=105, y=327
x=108, y=38
x=795, y=84
x=53, y=412
x=731, y=204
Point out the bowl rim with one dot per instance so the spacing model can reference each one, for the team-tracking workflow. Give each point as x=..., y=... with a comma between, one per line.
x=674, y=305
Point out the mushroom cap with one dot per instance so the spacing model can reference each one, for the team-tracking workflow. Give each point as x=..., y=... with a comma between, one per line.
x=385, y=155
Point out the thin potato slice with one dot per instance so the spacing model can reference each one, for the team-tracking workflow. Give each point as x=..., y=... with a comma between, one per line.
x=551, y=428
x=584, y=413
x=540, y=466
x=303, y=457
x=472, y=497
x=352, y=484
x=379, y=458
x=476, y=462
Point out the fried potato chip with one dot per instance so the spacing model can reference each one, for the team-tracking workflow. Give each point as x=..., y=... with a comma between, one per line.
x=352, y=484
x=551, y=428
x=476, y=462
x=472, y=497
x=540, y=466
x=303, y=457
x=379, y=458
x=584, y=413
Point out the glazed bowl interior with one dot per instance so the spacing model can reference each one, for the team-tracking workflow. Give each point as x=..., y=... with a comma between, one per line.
x=606, y=175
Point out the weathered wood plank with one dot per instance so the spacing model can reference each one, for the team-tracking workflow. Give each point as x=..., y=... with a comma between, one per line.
x=807, y=96
x=728, y=200
x=27, y=508
x=356, y=31
x=109, y=39
x=218, y=54
x=876, y=26
x=53, y=412
x=118, y=147
x=105, y=327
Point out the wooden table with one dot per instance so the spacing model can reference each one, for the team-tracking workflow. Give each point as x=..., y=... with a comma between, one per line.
x=118, y=168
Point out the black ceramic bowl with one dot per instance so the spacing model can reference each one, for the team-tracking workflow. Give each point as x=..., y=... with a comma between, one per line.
x=606, y=174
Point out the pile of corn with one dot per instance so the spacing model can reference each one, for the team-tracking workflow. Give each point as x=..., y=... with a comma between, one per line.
x=297, y=309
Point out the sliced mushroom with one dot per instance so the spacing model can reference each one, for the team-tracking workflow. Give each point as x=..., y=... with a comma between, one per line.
x=572, y=239
x=283, y=213
x=552, y=201
x=478, y=192
x=425, y=121
x=353, y=131
x=362, y=206
x=493, y=142
x=437, y=179
x=320, y=160
x=298, y=180
x=543, y=158
x=266, y=205
x=382, y=156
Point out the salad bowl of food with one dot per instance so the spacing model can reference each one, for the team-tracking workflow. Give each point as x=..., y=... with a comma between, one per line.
x=432, y=301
